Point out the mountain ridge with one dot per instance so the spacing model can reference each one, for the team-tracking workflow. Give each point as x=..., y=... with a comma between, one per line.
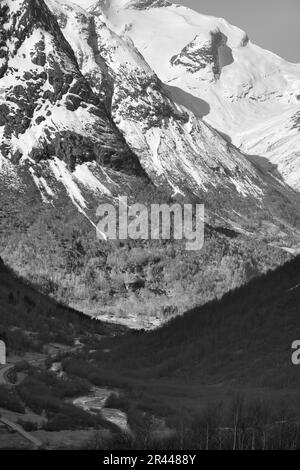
x=255, y=98
x=85, y=118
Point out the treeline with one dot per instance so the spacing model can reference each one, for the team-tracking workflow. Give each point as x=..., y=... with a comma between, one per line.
x=47, y=395
x=239, y=425
x=60, y=254
x=10, y=400
x=246, y=335
x=29, y=319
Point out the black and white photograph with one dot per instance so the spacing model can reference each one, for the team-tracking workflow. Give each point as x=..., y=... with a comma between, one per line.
x=149, y=229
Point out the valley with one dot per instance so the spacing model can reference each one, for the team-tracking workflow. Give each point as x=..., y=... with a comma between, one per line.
x=226, y=357
x=87, y=115
x=134, y=344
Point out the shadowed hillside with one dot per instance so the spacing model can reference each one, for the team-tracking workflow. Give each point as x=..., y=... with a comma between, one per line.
x=221, y=375
x=244, y=338
x=28, y=319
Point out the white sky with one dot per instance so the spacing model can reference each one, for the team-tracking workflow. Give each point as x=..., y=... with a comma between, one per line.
x=272, y=24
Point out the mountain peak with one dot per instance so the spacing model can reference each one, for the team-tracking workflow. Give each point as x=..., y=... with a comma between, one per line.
x=247, y=91
x=136, y=4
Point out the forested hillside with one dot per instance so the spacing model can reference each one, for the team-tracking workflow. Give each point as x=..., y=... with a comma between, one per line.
x=245, y=337
x=29, y=319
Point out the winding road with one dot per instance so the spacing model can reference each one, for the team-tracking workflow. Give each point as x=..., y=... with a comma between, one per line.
x=15, y=427
x=4, y=370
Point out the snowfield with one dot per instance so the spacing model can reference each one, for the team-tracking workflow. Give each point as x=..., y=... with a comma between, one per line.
x=148, y=91
x=252, y=95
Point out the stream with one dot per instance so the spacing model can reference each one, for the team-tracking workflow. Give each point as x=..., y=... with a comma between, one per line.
x=95, y=403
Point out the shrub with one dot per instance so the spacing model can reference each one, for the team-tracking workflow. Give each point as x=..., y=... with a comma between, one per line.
x=10, y=400
x=117, y=402
x=28, y=426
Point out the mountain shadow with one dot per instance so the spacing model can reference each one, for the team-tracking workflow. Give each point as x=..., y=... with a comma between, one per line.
x=198, y=106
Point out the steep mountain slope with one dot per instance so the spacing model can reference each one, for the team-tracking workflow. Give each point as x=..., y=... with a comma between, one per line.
x=85, y=119
x=65, y=94
x=226, y=366
x=50, y=119
x=211, y=67
x=29, y=319
x=136, y=283
x=243, y=339
x=174, y=146
x=47, y=108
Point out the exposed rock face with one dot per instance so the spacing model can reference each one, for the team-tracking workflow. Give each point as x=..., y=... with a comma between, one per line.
x=84, y=118
x=252, y=95
x=78, y=98
x=48, y=107
x=137, y=4
x=144, y=4
x=174, y=148
x=201, y=54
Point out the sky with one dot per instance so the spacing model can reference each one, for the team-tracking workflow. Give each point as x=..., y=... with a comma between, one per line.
x=272, y=24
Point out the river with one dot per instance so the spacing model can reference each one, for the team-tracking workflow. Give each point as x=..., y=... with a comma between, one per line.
x=95, y=403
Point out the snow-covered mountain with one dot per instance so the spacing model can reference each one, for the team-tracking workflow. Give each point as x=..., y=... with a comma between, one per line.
x=47, y=107
x=249, y=94
x=89, y=110
x=174, y=147
x=112, y=88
